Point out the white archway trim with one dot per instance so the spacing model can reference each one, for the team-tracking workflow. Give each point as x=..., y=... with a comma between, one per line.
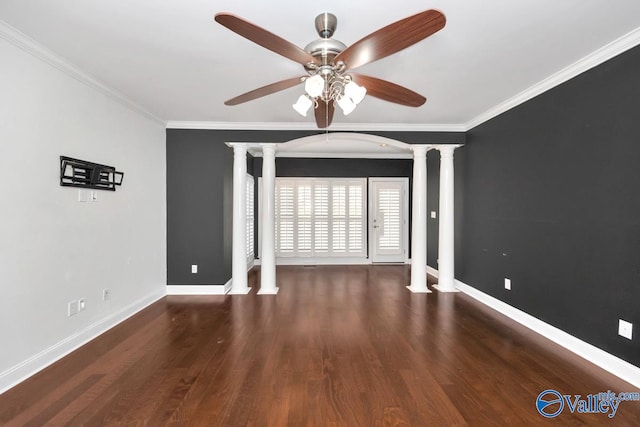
x=341, y=145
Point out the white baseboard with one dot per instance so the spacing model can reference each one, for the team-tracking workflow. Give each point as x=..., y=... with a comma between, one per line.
x=601, y=358
x=432, y=272
x=227, y=286
x=198, y=289
x=38, y=362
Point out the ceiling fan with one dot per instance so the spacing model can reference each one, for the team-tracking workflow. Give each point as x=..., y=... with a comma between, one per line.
x=328, y=63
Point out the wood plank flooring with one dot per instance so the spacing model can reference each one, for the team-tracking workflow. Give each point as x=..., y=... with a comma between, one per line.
x=338, y=346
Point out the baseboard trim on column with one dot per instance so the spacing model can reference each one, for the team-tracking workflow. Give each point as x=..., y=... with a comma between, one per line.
x=269, y=291
x=437, y=287
x=424, y=290
x=239, y=292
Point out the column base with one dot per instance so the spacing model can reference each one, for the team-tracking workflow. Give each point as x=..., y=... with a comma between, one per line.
x=424, y=290
x=239, y=291
x=444, y=290
x=273, y=291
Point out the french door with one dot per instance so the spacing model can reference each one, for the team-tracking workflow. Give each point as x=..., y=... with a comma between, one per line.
x=388, y=219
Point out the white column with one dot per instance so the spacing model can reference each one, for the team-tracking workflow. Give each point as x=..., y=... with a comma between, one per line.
x=419, y=222
x=268, y=241
x=239, y=239
x=446, y=253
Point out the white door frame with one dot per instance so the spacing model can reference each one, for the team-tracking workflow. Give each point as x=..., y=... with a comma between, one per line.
x=405, y=219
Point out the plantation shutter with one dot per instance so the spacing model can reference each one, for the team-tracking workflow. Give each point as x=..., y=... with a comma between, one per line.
x=320, y=218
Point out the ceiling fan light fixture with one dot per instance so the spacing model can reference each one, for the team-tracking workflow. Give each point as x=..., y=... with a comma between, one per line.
x=314, y=86
x=302, y=105
x=328, y=61
x=346, y=104
x=355, y=92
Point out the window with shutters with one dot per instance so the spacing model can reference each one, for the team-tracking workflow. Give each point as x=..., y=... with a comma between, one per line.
x=250, y=220
x=320, y=217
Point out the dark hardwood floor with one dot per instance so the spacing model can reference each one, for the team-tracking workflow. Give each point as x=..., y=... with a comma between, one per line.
x=338, y=346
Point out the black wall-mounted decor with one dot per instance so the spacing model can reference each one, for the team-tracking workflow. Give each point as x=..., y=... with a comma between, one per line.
x=80, y=173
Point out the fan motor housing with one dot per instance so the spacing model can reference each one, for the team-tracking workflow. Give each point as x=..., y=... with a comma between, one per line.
x=325, y=49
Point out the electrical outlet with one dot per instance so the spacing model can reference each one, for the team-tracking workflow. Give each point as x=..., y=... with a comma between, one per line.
x=507, y=284
x=625, y=329
x=434, y=214
x=72, y=308
x=81, y=304
x=94, y=195
x=105, y=294
x=194, y=268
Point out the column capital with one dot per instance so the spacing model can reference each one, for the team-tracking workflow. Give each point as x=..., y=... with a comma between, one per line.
x=420, y=150
x=446, y=151
x=448, y=148
x=269, y=148
x=239, y=148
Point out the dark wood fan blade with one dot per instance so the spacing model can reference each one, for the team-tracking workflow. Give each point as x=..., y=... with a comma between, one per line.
x=389, y=91
x=264, y=38
x=264, y=90
x=324, y=114
x=392, y=38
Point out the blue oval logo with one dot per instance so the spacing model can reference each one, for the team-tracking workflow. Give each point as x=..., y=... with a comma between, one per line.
x=547, y=401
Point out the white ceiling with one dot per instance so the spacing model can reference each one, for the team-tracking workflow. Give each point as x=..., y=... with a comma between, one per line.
x=173, y=60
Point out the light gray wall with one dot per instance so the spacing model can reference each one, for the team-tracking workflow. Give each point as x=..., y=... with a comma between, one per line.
x=54, y=249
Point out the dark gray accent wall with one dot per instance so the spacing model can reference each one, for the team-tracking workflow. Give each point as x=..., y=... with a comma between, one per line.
x=433, y=204
x=198, y=191
x=551, y=201
x=200, y=184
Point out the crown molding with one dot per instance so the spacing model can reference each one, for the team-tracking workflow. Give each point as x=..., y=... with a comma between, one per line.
x=357, y=127
x=592, y=60
x=27, y=44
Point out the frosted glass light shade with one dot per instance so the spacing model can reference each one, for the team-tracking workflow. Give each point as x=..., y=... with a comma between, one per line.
x=302, y=105
x=346, y=104
x=355, y=92
x=314, y=86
